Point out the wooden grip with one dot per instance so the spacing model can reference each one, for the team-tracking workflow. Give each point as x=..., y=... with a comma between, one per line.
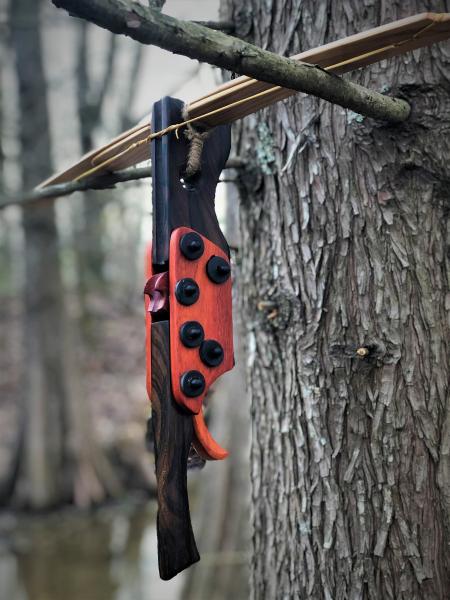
x=173, y=434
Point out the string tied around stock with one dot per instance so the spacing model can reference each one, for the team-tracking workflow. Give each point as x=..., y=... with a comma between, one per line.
x=196, y=134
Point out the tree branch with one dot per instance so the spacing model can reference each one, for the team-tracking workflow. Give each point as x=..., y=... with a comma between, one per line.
x=97, y=182
x=107, y=75
x=149, y=26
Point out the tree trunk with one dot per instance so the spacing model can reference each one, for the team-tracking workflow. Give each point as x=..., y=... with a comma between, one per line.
x=344, y=285
x=94, y=249
x=5, y=279
x=57, y=460
x=89, y=229
x=2, y=156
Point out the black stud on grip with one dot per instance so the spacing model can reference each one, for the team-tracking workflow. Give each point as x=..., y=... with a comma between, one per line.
x=218, y=269
x=187, y=291
x=211, y=353
x=192, y=383
x=192, y=334
x=192, y=246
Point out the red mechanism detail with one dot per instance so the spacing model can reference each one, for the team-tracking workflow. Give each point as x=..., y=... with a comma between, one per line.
x=148, y=321
x=212, y=310
x=157, y=288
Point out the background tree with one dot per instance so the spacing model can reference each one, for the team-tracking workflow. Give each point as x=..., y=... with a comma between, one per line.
x=4, y=271
x=93, y=93
x=57, y=460
x=345, y=246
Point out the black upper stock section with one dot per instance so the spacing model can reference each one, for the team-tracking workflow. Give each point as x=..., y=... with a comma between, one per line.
x=189, y=204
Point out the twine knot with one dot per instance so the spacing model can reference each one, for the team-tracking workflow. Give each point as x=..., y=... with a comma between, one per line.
x=196, y=134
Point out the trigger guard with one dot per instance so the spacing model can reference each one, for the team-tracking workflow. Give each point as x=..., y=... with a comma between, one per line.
x=204, y=443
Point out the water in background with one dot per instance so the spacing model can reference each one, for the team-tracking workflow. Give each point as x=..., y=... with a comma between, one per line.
x=109, y=554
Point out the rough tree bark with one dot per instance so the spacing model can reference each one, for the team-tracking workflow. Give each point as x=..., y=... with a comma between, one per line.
x=57, y=460
x=344, y=246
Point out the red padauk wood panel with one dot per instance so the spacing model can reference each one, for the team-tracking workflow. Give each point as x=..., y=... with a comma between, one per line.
x=212, y=310
x=203, y=442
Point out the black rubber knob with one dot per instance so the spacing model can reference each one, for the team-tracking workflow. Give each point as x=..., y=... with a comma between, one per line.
x=218, y=269
x=187, y=291
x=211, y=353
x=192, y=334
x=192, y=384
x=192, y=246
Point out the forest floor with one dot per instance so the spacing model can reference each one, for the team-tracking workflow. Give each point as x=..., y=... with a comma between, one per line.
x=112, y=376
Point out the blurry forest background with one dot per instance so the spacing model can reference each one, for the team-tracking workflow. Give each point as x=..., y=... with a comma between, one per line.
x=76, y=479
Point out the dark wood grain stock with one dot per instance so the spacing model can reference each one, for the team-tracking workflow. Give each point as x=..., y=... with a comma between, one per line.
x=172, y=432
x=177, y=204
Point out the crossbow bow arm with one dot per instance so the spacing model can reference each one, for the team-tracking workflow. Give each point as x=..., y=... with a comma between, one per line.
x=244, y=95
x=188, y=322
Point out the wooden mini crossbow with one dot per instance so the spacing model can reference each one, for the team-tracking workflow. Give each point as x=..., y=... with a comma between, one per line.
x=188, y=322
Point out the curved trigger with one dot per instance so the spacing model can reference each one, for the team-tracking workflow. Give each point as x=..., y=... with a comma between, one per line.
x=203, y=442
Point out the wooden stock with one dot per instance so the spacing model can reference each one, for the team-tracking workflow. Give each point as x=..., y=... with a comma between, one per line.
x=172, y=433
x=177, y=203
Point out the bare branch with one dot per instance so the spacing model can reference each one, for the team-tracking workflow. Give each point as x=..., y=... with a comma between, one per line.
x=101, y=182
x=98, y=182
x=90, y=97
x=126, y=120
x=149, y=26
x=107, y=75
x=83, y=87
